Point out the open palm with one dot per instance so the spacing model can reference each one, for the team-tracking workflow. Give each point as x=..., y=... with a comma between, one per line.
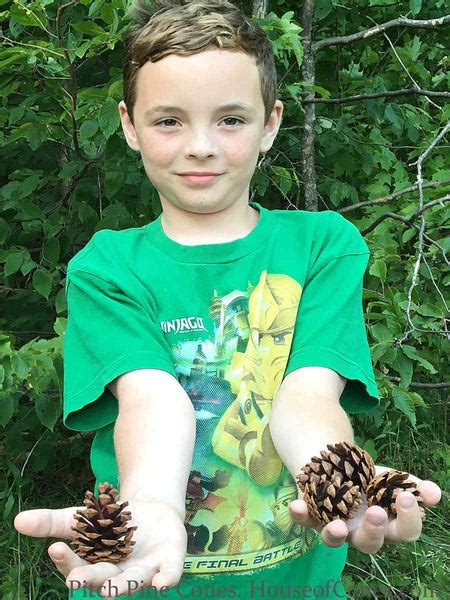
x=157, y=558
x=370, y=528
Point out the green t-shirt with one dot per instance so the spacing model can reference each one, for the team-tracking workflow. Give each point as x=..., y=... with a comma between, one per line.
x=229, y=321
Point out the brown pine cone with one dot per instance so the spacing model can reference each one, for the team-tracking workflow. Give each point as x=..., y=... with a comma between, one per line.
x=384, y=489
x=102, y=531
x=353, y=462
x=330, y=499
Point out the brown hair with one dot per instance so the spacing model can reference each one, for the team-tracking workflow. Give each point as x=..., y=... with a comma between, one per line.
x=187, y=27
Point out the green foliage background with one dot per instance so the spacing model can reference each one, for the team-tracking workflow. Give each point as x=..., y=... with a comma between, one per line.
x=66, y=172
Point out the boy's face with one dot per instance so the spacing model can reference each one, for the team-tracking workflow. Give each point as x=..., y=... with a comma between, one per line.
x=200, y=136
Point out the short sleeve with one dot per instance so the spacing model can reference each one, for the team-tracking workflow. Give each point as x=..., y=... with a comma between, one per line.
x=109, y=332
x=330, y=329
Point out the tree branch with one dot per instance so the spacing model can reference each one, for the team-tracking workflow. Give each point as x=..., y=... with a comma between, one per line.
x=367, y=33
x=73, y=80
x=390, y=197
x=406, y=220
x=387, y=94
x=419, y=258
x=308, y=140
x=416, y=384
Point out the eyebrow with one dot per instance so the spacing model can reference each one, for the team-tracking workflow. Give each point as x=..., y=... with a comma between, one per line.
x=176, y=109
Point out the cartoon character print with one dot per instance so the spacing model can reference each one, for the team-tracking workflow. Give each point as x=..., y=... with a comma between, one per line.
x=237, y=498
x=242, y=436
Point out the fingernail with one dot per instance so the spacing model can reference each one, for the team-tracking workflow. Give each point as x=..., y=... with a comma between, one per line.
x=407, y=501
x=377, y=520
x=57, y=556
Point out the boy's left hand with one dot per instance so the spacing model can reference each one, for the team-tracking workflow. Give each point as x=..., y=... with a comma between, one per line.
x=368, y=531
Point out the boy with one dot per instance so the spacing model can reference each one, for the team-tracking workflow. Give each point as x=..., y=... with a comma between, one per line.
x=218, y=348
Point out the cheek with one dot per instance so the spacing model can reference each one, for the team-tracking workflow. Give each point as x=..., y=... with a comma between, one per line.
x=156, y=151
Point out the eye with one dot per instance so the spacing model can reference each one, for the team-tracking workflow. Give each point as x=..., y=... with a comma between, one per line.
x=165, y=121
x=233, y=119
x=278, y=338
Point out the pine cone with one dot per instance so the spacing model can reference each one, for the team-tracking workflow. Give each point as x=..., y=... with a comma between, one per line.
x=330, y=499
x=102, y=532
x=384, y=489
x=353, y=462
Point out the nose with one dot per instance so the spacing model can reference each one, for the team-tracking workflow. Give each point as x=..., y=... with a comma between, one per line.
x=201, y=145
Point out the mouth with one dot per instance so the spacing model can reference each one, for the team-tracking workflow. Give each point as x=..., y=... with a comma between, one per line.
x=199, y=179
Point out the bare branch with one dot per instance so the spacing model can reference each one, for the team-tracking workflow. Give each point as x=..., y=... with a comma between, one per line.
x=308, y=76
x=419, y=162
x=387, y=94
x=367, y=33
x=406, y=220
x=16, y=43
x=72, y=83
x=390, y=197
x=416, y=384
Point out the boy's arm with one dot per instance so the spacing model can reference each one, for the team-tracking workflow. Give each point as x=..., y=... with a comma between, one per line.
x=154, y=437
x=305, y=417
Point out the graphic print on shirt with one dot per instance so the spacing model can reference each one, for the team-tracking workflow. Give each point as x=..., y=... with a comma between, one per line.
x=238, y=492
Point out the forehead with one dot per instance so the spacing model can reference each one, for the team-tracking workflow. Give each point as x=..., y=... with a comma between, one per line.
x=205, y=79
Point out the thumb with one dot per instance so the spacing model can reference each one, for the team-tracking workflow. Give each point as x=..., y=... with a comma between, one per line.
x=46, y=522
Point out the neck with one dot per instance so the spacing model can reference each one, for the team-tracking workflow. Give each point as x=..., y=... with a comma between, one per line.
x=194, y=229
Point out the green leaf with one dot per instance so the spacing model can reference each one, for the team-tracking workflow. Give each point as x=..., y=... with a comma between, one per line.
x=378, y=269
x=5, y=231
x=25, y=16
x=88, y=129
x=14, y=262
x=60, y=301
x=403, y=402
x=405, y=368
x=8, y=506
x=42, y=282
x=6, y=408
x=19, y=365
x=89, y=27
x=51, y=250
x=114, y=180
x=393, y=115
x=382, y=333
x=378, y=350
x=412, y=353
x=415, y=6
x=32, y=210
x=34, y=133
x=60, y=326
x=108, y=118
x=430, y=310
x=322, y=9
x=47, y=410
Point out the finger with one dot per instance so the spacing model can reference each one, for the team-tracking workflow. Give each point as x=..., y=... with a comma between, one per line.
x=169, y=574
x=46, y=522
x=407, y=526
x=64, y=558
x=369, y=537
x=335, y=533
x=92, y=576
x=430, y=492
x=299, y=513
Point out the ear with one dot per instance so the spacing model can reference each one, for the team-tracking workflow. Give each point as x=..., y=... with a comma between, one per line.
x=272, y=127
x=128, y=127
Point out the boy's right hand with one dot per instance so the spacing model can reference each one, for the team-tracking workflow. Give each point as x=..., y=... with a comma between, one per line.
x=157, y=558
